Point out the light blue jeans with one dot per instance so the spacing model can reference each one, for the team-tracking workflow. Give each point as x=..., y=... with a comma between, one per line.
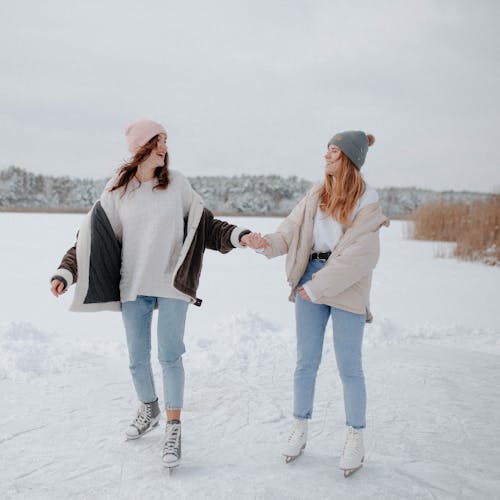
x=137, y=315
x=348, y=328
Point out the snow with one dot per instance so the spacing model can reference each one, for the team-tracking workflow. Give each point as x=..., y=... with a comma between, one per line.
x=431, y=364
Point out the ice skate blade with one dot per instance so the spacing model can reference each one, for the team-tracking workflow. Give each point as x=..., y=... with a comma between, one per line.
x=171, y=467
x=350, y=472
x=291, y=458
x=171, y=470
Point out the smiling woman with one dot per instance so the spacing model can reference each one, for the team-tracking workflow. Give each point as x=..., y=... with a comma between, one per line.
x=332, y=244
x=344, y=185
x=141, y=249
x=150, y=160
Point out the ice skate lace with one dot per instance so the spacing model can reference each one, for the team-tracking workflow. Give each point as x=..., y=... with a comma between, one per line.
x=171, y=440
x=295, y=435
x=352, y=444
x=143, y=417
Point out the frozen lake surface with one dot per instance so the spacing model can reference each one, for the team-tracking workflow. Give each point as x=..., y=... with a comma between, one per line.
x=431, y=362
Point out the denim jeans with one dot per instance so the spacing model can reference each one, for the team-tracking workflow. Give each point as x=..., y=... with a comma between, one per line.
x=137, y=315
x=348, y=328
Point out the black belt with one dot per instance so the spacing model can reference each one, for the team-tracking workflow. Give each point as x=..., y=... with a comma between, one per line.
x=320, y=255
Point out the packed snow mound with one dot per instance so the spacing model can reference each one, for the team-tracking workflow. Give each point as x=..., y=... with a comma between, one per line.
x=30, y=354
x=242, y=339
x=386, y=332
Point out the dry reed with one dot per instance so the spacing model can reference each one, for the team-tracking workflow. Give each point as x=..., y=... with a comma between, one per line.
x=474, y=227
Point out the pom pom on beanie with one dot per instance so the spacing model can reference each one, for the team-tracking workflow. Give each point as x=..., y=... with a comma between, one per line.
x=354, y=144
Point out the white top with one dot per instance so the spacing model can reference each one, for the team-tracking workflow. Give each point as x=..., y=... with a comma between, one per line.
x=327, y=231
x=150, y=225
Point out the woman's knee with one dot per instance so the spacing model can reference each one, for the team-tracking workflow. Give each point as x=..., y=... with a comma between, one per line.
x=139, y=364
x=170, y=359
x=308, y=365
x=351, y=373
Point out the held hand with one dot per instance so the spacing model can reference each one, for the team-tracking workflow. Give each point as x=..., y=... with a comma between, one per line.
x=255, y=241
x=303, y=294
x=57, y=287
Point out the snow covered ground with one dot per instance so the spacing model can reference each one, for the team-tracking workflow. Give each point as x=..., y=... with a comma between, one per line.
x=431, y=360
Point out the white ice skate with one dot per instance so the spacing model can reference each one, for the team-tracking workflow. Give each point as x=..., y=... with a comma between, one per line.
x=354, y=452
x=296, y=440
x=171, y=454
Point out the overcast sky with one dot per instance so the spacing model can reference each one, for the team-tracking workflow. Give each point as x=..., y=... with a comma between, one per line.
x=255, y=87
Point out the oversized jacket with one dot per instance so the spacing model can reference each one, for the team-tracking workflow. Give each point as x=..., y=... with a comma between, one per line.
x=345, y=280
x=94, y=262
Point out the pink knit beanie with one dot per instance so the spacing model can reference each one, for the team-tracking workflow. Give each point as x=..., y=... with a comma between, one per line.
x=140, y=132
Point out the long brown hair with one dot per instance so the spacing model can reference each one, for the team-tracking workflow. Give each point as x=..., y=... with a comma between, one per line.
x=339, y=195
x=128, y=169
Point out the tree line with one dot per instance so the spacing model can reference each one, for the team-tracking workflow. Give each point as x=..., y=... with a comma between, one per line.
x=238, y=195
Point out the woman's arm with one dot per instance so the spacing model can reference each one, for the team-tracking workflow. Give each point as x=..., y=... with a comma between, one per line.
x=279, y=242
x=67, y=272
x=220, y=235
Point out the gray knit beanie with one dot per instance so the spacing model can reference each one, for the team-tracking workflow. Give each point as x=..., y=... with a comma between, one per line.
x=354, y=144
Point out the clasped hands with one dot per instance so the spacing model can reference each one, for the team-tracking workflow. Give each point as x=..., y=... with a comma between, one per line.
x=255, y=241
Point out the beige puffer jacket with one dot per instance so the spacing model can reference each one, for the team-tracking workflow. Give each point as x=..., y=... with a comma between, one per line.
x=345, y=280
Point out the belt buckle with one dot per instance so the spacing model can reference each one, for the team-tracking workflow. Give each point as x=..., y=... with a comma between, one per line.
x=321, y=259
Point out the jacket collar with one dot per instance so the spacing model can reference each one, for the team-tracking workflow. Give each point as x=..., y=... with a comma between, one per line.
x=368, y=219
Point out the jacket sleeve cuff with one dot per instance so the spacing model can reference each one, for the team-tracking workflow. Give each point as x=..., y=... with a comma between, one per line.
x=312, y=291
x=236, y=234
x=309, y=292
x=65, y=275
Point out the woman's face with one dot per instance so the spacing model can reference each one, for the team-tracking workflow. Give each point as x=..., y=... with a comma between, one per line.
x=332, y=158
x=161, y=150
